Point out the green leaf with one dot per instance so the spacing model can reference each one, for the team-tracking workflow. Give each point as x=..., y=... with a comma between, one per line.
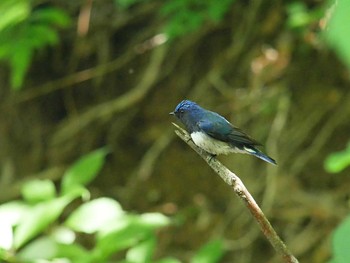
x=13, y=12
x=184, y=16
x=63, y=235
x=52, y=16
x=341, y=241
x=217, y=9
x=22, y=32
x=19, y=62
x=5, y=48
x=6, y=235
x=153, y=220
x=121, y=234
x=336, y=162
x=142, y=252
x=75, y=252
x=38, y=190
x=126, y=232
x=38, y=218
x=338, y=30
x=84, y=170
x=209, y=253
x=12, y=212
x=41, y=248
x=92, y=216
x=40, y=35
x=298, y=15
x=5, y=255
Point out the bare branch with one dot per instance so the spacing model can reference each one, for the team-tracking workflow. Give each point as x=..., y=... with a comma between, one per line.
x=241, y=191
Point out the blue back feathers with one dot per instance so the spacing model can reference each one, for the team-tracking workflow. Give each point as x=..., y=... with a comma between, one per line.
x=195, y=118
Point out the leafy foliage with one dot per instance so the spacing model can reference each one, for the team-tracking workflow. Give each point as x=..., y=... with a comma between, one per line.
x=30, y=230
x=38, y=218
x=23, y=30
x=299, y=16
x=340, y=242
x=210, y=252
x=185, y=16
x=333, y=17
x=16, y=11
x=84, y=170
x=338, y=31
x=38, y=190
x=336, y=162
x=99, y=211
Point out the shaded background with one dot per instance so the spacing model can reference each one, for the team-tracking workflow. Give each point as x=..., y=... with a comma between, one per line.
x=121, y=66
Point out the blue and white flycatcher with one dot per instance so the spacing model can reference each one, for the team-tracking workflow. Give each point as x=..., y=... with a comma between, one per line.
x=214, y=134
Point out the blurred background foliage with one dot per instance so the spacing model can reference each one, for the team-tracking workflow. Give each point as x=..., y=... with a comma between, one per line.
x=84, y=75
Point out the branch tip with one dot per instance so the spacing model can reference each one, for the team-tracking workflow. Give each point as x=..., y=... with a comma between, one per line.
x=242, y=192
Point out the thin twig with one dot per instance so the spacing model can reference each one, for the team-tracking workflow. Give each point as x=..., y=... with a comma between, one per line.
x=241, y=191
x=73, y=126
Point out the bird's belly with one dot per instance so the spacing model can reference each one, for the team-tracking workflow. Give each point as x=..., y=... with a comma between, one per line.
x=212, y=145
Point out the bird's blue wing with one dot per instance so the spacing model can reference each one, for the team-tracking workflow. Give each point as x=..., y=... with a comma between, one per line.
x=219, y=128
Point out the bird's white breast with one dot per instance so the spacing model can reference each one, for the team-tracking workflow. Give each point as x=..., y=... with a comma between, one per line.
x=212, y=145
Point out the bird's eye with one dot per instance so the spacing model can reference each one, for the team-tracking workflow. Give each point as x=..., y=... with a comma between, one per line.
x=181, y=111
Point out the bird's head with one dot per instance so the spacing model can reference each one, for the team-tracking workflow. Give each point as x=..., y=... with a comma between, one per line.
x=184, y=108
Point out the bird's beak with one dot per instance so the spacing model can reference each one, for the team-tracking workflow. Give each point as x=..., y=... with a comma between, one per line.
x=172, y=113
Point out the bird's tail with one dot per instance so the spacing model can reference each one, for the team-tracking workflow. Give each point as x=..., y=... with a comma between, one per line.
x=260, y=154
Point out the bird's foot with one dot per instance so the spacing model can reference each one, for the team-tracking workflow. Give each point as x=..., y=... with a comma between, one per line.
x=212, y=156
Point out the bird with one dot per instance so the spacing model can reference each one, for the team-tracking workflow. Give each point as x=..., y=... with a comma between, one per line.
x=214, y=134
